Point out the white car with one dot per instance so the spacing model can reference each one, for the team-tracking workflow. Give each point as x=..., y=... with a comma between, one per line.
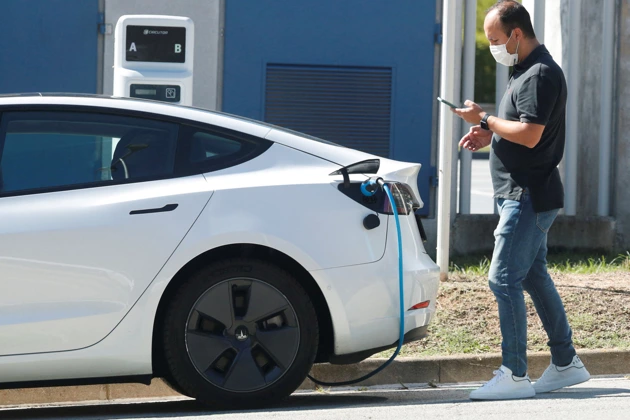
x=140, y=239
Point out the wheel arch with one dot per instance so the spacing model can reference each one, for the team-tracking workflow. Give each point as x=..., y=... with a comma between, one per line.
x=254, y=251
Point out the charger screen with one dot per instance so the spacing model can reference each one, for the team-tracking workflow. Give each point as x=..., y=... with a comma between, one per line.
x=157, y=44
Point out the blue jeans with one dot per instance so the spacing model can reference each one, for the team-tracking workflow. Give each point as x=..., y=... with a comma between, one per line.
x=519, y=262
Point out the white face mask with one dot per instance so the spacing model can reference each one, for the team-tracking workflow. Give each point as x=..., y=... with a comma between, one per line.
x=502, y=56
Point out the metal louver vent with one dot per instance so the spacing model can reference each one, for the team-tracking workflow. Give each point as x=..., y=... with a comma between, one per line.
x=350, y=106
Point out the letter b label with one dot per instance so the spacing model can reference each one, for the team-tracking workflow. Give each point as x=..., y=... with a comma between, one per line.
x=178, y=48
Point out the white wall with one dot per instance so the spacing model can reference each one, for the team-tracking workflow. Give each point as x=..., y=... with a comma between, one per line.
x=557, y=40
x=621, y=146
x=208, y=65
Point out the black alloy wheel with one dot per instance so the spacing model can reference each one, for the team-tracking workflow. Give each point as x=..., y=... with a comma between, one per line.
x=241, y=332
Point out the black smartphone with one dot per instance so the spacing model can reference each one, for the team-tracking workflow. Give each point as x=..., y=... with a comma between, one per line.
x=444, y=101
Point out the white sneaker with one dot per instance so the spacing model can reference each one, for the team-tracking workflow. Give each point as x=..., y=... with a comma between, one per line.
x=504, y=386
x=556, y=377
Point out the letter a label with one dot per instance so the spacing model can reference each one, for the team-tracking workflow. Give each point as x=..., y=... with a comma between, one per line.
x=133, y=47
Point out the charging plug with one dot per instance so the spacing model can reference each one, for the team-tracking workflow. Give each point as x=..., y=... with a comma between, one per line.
x=370, y=186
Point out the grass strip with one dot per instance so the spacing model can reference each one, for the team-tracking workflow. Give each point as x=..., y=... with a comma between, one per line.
x=595, y=290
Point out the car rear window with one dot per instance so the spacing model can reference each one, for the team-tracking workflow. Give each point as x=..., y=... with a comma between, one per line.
x=203, y=150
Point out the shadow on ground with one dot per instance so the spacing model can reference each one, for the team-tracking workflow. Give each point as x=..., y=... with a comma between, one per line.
x=298, y=401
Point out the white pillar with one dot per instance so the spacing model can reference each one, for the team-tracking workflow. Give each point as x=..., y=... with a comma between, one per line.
x=445, y=135
x=573, y=100
x=536, y=9
x=553, y=30
x=468, y=92
x=457, y=94
x=605, y=119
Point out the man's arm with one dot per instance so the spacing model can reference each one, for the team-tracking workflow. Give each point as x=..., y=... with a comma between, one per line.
x=525, y=134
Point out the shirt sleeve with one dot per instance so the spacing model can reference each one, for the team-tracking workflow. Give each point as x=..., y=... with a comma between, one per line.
x=537, y=98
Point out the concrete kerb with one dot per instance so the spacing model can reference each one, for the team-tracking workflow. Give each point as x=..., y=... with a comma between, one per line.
x=467, y=368
x=432, y=370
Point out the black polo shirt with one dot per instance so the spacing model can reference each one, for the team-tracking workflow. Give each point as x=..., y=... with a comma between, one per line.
x=536, y=93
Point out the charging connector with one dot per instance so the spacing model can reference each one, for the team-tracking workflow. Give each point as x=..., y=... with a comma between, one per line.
x=369, y=188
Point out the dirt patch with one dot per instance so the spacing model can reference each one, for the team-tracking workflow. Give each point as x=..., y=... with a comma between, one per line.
x=597, y=305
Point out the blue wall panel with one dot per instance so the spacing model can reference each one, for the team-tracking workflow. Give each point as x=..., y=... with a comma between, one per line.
x=48, y=46
x=372, y=33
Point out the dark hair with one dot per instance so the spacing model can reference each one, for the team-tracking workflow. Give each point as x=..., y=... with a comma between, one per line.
x=513, y=15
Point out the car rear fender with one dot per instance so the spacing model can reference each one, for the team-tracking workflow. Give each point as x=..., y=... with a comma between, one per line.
x=389, y=170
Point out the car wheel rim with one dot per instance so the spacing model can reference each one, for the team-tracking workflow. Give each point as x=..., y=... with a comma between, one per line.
x=242, y=335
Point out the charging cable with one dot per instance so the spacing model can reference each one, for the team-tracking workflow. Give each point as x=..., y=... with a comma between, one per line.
x=369, y=188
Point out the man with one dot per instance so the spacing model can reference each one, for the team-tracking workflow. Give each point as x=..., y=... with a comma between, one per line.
x=527, y=140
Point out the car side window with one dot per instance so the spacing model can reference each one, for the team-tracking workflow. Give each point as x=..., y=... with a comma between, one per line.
x=46, y=151
x=206, y=146
x=206, y=150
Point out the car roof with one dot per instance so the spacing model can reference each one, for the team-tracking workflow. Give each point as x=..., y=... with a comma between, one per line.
x=301, y=141
x=216, y=118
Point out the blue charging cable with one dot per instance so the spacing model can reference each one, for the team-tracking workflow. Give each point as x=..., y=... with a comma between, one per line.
x=369, y=188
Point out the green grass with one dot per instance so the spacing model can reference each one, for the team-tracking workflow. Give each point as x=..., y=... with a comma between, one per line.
x=470, y=266
x=567, y=263
x=595, y=289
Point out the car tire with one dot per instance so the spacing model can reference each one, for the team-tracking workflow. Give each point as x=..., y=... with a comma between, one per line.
x=240, y=333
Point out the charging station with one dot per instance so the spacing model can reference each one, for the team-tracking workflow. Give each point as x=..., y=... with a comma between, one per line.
x=153, y=58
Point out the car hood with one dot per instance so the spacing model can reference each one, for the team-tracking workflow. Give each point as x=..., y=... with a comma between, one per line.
x=389, y=170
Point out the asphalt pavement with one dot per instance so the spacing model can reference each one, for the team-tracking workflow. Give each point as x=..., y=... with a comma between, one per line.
x=599, y=398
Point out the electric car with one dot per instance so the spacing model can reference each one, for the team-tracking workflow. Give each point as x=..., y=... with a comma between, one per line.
x=141, y=239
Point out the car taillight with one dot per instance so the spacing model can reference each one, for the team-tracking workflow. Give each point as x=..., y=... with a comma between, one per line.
x=406, y=202
x=420, y=305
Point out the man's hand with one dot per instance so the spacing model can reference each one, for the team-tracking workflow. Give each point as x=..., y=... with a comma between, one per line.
x=525, y=134
x=476, y=138
x=472, y=114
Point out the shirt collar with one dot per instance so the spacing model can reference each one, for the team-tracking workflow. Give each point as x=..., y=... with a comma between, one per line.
x=531, y=59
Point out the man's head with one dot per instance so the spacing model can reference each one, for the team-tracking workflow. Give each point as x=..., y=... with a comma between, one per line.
x=508, y=22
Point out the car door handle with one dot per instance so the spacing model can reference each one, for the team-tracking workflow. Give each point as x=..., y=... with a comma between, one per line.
x=168, y=207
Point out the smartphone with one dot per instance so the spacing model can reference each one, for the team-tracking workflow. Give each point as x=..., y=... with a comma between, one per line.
x=444, y=101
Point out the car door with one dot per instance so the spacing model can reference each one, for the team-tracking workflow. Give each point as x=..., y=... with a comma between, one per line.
x=89, y=213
